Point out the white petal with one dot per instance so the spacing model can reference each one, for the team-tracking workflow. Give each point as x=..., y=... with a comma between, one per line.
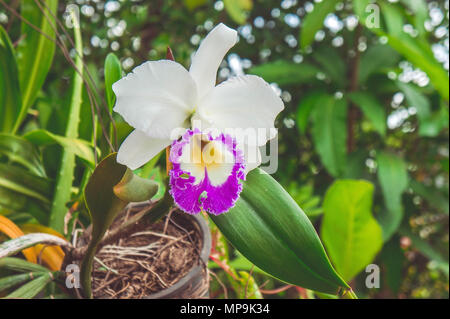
x=245, y=105
x=156, y=98
x=138, y=149
x=209, y=55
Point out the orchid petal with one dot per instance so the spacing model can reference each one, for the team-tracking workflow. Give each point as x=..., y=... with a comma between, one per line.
x=209, y=55
x=157, y=97
x=244, y=104
x=138, y=149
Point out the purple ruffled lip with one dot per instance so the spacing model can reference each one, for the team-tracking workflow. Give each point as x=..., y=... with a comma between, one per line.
x=193, y=196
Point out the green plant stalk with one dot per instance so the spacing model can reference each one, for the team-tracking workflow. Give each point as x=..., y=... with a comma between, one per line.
x=65, y=175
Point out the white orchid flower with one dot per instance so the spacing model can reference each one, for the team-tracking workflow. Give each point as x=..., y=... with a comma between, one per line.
x=160, y=97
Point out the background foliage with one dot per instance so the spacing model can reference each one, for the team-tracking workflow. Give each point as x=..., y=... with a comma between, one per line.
x=363, y=141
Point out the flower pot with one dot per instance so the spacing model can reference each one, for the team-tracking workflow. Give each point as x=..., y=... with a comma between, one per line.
x=191, y=282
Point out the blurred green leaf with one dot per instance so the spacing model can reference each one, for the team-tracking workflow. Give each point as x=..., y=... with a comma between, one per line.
x=269, y=228
x=393, y=178
x=433, y=125
x=330, y=133
x=306, y=106
x=23, y=182
x=433, y=196
x=392, y=256
x=313, y=21
x=377, y=58
x=35, y=51
x=20, y=265
x=350, y=233
x=372, y=109
x=81, y=148
x=332, y=64
x=285, y=73
x=14, y=280
x=10, y=98
x=21, y=151
x=416, y=99
x=238, y=10
x=193, y=4
x=113, y=73
x=32, y=288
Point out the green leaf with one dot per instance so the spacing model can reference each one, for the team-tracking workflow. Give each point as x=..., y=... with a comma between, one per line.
x=305, y=108
x=23, y=182
x=103, y=207
x=35, y=51
x=372, y=109
x=313, y=21
x=113, y=73
x=80, y=148
x=21, y=151
x=10, y=98
x=285, y=73
x=238, y=10
x=20, y=265
x=435, y=123
x=270, y=229
x=14, y=280
x=350, y=233
x=32, y=288
x=330, y=133
x=416, y=99
x=393, y=178
x=332, y=64
x=67, y=167
x=376, y=59
x=193, y=4
x=133, y=188
x=15, y=245
x=393, y=258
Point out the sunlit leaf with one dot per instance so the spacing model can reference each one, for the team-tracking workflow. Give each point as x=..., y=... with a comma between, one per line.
x=350, y=233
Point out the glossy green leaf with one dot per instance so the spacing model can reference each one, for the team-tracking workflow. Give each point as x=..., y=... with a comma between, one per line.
x=238, y=10
x=32, y=288
x=21, y=151
x=285, y=73
x=35, y=51
x=393, y=178
x=66, y=171
x=330, y=133
x=350, y=233
x=80, y=148
x=270, y=229
x=313, y=21
x=305, y=108
x=113, y=73
x=372, y=109
x=10, y=98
